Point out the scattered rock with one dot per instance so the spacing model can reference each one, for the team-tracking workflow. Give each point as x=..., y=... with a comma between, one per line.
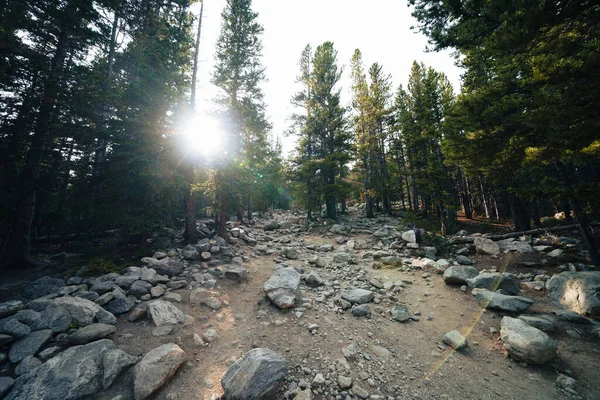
x=455, y=340
x=13, y=328
x=363, y=310
x=486, y=246
x=357, y=296
x=493, y=281
x=400, y=313
x=92, y=333
x=114, y=362
x=30, y=345
x=155, y=368
x=314, y=280
x=283, y=287
x=255, y=376
x=498, y=301
x=121, y=306
x=458, y=275
x=85, y=312
x=165, y=313
x=526, y=343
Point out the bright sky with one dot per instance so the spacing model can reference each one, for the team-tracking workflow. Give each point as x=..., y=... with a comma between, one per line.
x=379, y=28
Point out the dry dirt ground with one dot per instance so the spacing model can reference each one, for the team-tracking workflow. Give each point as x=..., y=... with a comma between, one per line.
x=419, y=366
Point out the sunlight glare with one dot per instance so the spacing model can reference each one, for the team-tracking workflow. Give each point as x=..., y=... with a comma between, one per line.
x=203, y=134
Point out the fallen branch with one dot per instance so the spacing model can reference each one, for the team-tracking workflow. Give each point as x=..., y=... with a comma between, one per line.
x=469, y=239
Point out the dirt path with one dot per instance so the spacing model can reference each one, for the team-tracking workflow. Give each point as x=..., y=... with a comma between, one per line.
x=415, y=365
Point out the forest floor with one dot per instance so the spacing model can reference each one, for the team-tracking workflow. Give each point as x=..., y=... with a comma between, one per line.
x=395, y=360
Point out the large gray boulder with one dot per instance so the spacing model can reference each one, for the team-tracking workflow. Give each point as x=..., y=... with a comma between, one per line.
x=513, y=245
x=54, y=317
x=458, y=274
x=357, y=296
x=165, y=313
x=577, y=291
x=502, y=302
x=486, y=246
x=256, y=376
x=526, y=343
x=14, y=328
x=42, y=287
x=91, y=333
x=85, y=312
x=74, y=374
x=493, y=281
x=283, y=287
x=155, y=368
x=30, y=345
x=114, y=362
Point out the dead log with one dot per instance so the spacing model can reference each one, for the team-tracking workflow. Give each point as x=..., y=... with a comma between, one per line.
x=538, y=231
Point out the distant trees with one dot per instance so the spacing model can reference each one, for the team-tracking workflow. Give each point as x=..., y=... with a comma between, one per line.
x=323, y=148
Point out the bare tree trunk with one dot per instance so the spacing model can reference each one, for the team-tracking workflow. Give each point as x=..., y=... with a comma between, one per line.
x=249, y=207
x=485, y=207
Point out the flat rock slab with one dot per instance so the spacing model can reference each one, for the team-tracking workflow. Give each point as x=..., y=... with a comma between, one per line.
x=92, y=333
x=30, y=345
x=165, y=313
x=283, y=287
x=358, y=296
x=526, y=343
x=578, y=291
x=486, y=246
x=155, y=368
x=74, y=374
x=10, y=307
x=502, y=302
x=455, y=340
x=85, y=312
x=459, y=274
x=256, y=376
x=494, y=280
x=236, y=273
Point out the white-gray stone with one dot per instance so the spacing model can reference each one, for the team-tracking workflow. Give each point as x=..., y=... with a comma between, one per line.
x=283, y=287
x=155, y=368
x=526, y=343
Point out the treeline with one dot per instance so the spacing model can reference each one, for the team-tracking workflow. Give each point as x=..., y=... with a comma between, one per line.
x=92, y=97
x=520, y=141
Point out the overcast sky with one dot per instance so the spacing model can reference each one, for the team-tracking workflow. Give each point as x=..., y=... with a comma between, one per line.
x=379, y=28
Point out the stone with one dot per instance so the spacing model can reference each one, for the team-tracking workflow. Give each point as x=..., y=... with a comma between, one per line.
x=359, y=391
x=290, y=253
x=357, y=296
x=155, y=368
x=256, y=376
x=526, y=343
x=556, y=253
x=517, y=246
x=271, y=226
x=392, y=260
x=102, y=287
x=212, y=303
x=210, y=336
x=139, y=288
x=137, y=314
x=338, y=229
x=342, y=257
x=541, y=323
x=10, y=307
x=577, y=291
x=350, y=352
x=4, y=340
x=464, y=260
x=114, y=362
x=314, y=280
x=498, y=301
x=170, y=269
x=410, y=236
x=423, y=263
x=459, y=274
x=5, y=384
x=125, y=282
x=199, y=294
x=493, y=281
x=400, y=313
x=363, y=310
x=237, y=274
x=325, y=247
x=165, y=313
x=283, y=287
x=85, y=312
x=92, y=333
x=344, y=382
x=105, y=298
x=157, y=291
x=54, y=317
x=29, y=345
x=318, y=380
x=486, y=246
x=382, y=232
x=27, y=364
x=121, y=306
x=48, y=353
x=14, y=328
x=174, y=297
x=42, y=287
x=455, y=340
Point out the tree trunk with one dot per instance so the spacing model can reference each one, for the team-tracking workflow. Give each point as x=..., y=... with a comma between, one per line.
x=19, y=251
x=369, y=206
x=249, y=207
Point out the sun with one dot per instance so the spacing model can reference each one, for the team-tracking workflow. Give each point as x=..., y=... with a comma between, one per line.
x=203, y=134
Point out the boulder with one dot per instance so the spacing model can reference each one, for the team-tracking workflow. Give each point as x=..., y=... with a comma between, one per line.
x=26, y=365
x=363, y=310
x=165, y=313
x=73, y=374
x=121, y=306
x=400, y=313
x=493, y=281
x=92, y=333
x=392, y=260
x=342, y=257
x=486, y=246
x=256, y=376
x=283, y=287
x=271, y=226
x=459, y=274
x=170, y=269
x=518, y=246
x=410, y=236
x=577, y=291
x=237, y=274
x=10, y=307
x=155, y=368
x=526, y=343
x=14, y=328
x=502, y=302
x=85, y=312
x=357, y=296
x=114, y=362
x=139, y=288
x=54, y=317
x=5, y=384
x=42, y=287
x=290, y=253
x=314, y=280
x=30, y=345
x=338, y=229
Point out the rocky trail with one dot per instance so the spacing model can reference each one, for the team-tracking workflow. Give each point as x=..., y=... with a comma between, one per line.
x=361, y=309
